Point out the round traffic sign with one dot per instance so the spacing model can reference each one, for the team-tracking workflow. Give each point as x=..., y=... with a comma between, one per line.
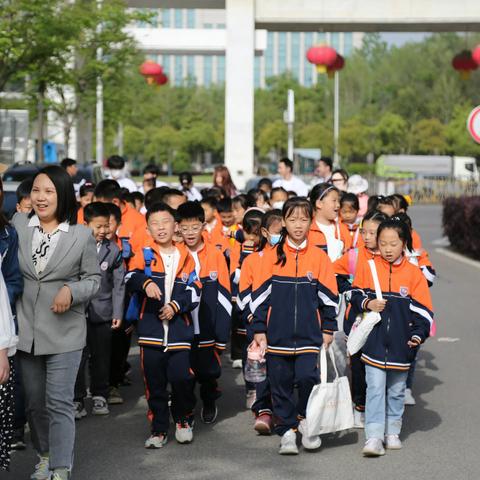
x=473, y=124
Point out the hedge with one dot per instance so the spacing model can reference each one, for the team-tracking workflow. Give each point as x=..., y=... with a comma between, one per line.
x=461, y=224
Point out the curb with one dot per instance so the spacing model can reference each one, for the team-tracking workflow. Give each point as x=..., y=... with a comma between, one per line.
x=459, y=257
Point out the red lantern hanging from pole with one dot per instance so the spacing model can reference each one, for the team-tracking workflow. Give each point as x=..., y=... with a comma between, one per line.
x=161, y=79
x=150, y=70
x=464, y=64
x=336, y=67
x=322, y=57
x=476, y=55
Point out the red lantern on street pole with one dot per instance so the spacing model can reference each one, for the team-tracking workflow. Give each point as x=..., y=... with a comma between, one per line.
x=322, y=57
x=476, y=55
x=338, y=65
x=161, y=79
x=150, y=70
x=464, y=64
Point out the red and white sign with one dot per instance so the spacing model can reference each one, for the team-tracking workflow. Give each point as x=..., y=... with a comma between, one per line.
x=473, y=124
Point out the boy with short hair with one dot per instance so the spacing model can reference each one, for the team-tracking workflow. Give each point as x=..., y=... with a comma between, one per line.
x=213, y=232
x=164, y=278
x=212, y=317
x=104, y=313
x=24, y=203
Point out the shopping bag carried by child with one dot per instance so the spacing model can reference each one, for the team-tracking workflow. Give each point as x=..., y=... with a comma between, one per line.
x=329, y=407
x=364, y=323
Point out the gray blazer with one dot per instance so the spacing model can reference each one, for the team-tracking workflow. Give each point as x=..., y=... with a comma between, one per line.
x=108, y=303
x=73, y=263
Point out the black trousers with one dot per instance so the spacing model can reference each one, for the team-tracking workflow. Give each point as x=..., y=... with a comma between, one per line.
x=207, y=367
x=97, y=354
x=237, y=340
x=161, y=368
x=119, y=354
x=359, y=384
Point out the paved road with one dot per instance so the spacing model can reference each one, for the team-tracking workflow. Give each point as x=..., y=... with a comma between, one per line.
x=441, y=433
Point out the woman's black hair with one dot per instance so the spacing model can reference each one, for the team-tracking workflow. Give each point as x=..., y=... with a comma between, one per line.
x=252, y=221
x=350, y=198
x=270, y=217
x=403, y=230
x=243, y=200
x=3, y=218
x=66, y=201
x=320, y=191
x=342, y=172
x=400, y=202
x=289, y=207
x=374, y=216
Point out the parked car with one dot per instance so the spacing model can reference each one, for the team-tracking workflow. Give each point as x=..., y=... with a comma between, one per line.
x=10, y=198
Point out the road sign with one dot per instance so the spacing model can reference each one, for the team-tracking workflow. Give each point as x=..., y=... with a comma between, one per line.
x=473, y=124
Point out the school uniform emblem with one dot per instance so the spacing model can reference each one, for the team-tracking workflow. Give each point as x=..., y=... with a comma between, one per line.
x=404, y=291
x=310, y=276
x=213, y=275
x=104, y=266
x=184, y=277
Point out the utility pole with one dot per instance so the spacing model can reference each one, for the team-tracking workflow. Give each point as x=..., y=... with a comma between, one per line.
x=289, y=119
x=99, y=106
x=336, y=120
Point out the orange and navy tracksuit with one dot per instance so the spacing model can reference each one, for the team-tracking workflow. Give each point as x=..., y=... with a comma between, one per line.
x=133, y=228
x=317, y=237
x=211, y=319
x=407, y=316
x=165, y=355
x=354, y=231
x=294, y=304
x=80, y=216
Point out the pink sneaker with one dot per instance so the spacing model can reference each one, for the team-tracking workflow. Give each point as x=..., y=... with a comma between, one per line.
x=263, y=424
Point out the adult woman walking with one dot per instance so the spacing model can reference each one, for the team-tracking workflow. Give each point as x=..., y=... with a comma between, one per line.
x=223, y=179
x=58, y=260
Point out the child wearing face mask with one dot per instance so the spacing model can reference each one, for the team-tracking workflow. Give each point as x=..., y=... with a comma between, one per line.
x=278, y=196
x=406, y=318
x=327, y=232
x=271, y=229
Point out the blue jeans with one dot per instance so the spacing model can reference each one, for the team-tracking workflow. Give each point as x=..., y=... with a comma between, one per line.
x=385, y=397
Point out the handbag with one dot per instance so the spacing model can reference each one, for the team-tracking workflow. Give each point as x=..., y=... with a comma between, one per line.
x=329, y=407
x=364, y=324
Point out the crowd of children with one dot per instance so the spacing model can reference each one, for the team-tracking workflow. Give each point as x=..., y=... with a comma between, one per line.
x=266, y=269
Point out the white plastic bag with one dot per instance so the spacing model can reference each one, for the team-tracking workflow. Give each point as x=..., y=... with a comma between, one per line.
x=8, y=337
x=329, y=407
x=364, y=324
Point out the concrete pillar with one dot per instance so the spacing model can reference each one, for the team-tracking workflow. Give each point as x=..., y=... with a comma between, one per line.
x=239, y=89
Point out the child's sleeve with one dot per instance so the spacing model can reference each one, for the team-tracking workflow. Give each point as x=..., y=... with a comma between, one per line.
x=118, y=292
x=261, y=292
x=342, y=273
x=187, y=294
x=426, y=267
x=359, y=298
x=223, y=318
x=245, y=290
x=327, y=292
x=421, y=308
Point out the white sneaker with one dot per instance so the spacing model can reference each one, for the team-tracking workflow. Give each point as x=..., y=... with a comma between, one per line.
x=156, y=441
x=309, y=442
x=373, y=448
x=100, y=406
x=42, y=469
x=80, y=411
x=409, y=399
x=237, y=364
x=250, y=398
x=393, y=442
x=183, y=432
x=61, y=474
x=358, y=419
x=288, y=443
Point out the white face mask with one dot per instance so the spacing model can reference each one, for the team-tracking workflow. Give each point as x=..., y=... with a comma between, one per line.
x=116, y=174
x=277, y=205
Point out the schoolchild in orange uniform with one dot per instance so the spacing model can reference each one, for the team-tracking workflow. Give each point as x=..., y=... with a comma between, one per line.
x=213, y=232
x=164, y=277
x=406, y=318
x=212, y=318
x=294, y=305
x=349, y=208
x=326, y=231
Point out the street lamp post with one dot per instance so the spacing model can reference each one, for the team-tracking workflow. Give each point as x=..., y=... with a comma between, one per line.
x=99, y=105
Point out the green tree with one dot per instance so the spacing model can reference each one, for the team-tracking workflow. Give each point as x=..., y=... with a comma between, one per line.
x=273, y=136
x=429, y=137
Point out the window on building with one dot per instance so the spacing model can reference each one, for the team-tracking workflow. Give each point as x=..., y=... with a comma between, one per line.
x=347, y=43
x=178, y=18
x=257, y=76
x=295, y=54
x=207, y=70
x=335, y=41
x=221, y=69
x=178, y=70
x=190, y=18
x=269, y=56
x=191, y=68
x=307, y=66
x=166, y=64
x=166, y=15
x=282, y=52
x=208, y=26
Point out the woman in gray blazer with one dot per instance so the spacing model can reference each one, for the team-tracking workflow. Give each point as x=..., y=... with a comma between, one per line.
x=58, y=261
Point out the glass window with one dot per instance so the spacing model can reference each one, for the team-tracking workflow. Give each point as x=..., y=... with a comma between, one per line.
x=307, y=66
x=220, y=26
x=208, y=26
x=269, y=56
x=295, y=54
x=207, y=70
x=282, y=52
x=221, y=69
x=178, y=69
x=321, y=38
x=190, y=18
x=347, y=43
x=166, y=18
x=258, y=63
x=166, y=64
x=178, y=18
x=335, y=41
x=191, y=67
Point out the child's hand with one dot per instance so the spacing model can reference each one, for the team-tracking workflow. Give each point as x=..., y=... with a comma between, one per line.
x=166, y=313
x=376, y=305
x=153, y=291
x=116, y=323
x=414, y=342
x=261, y=340
x=4, y=367
x=327, y=340
x=62, y=301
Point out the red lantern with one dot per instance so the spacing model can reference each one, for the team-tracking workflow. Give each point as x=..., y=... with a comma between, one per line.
x=336, y=67
x=161, y=79
x=322, y=56
x=150, y=70
x=476, y=55
x=464, y=64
